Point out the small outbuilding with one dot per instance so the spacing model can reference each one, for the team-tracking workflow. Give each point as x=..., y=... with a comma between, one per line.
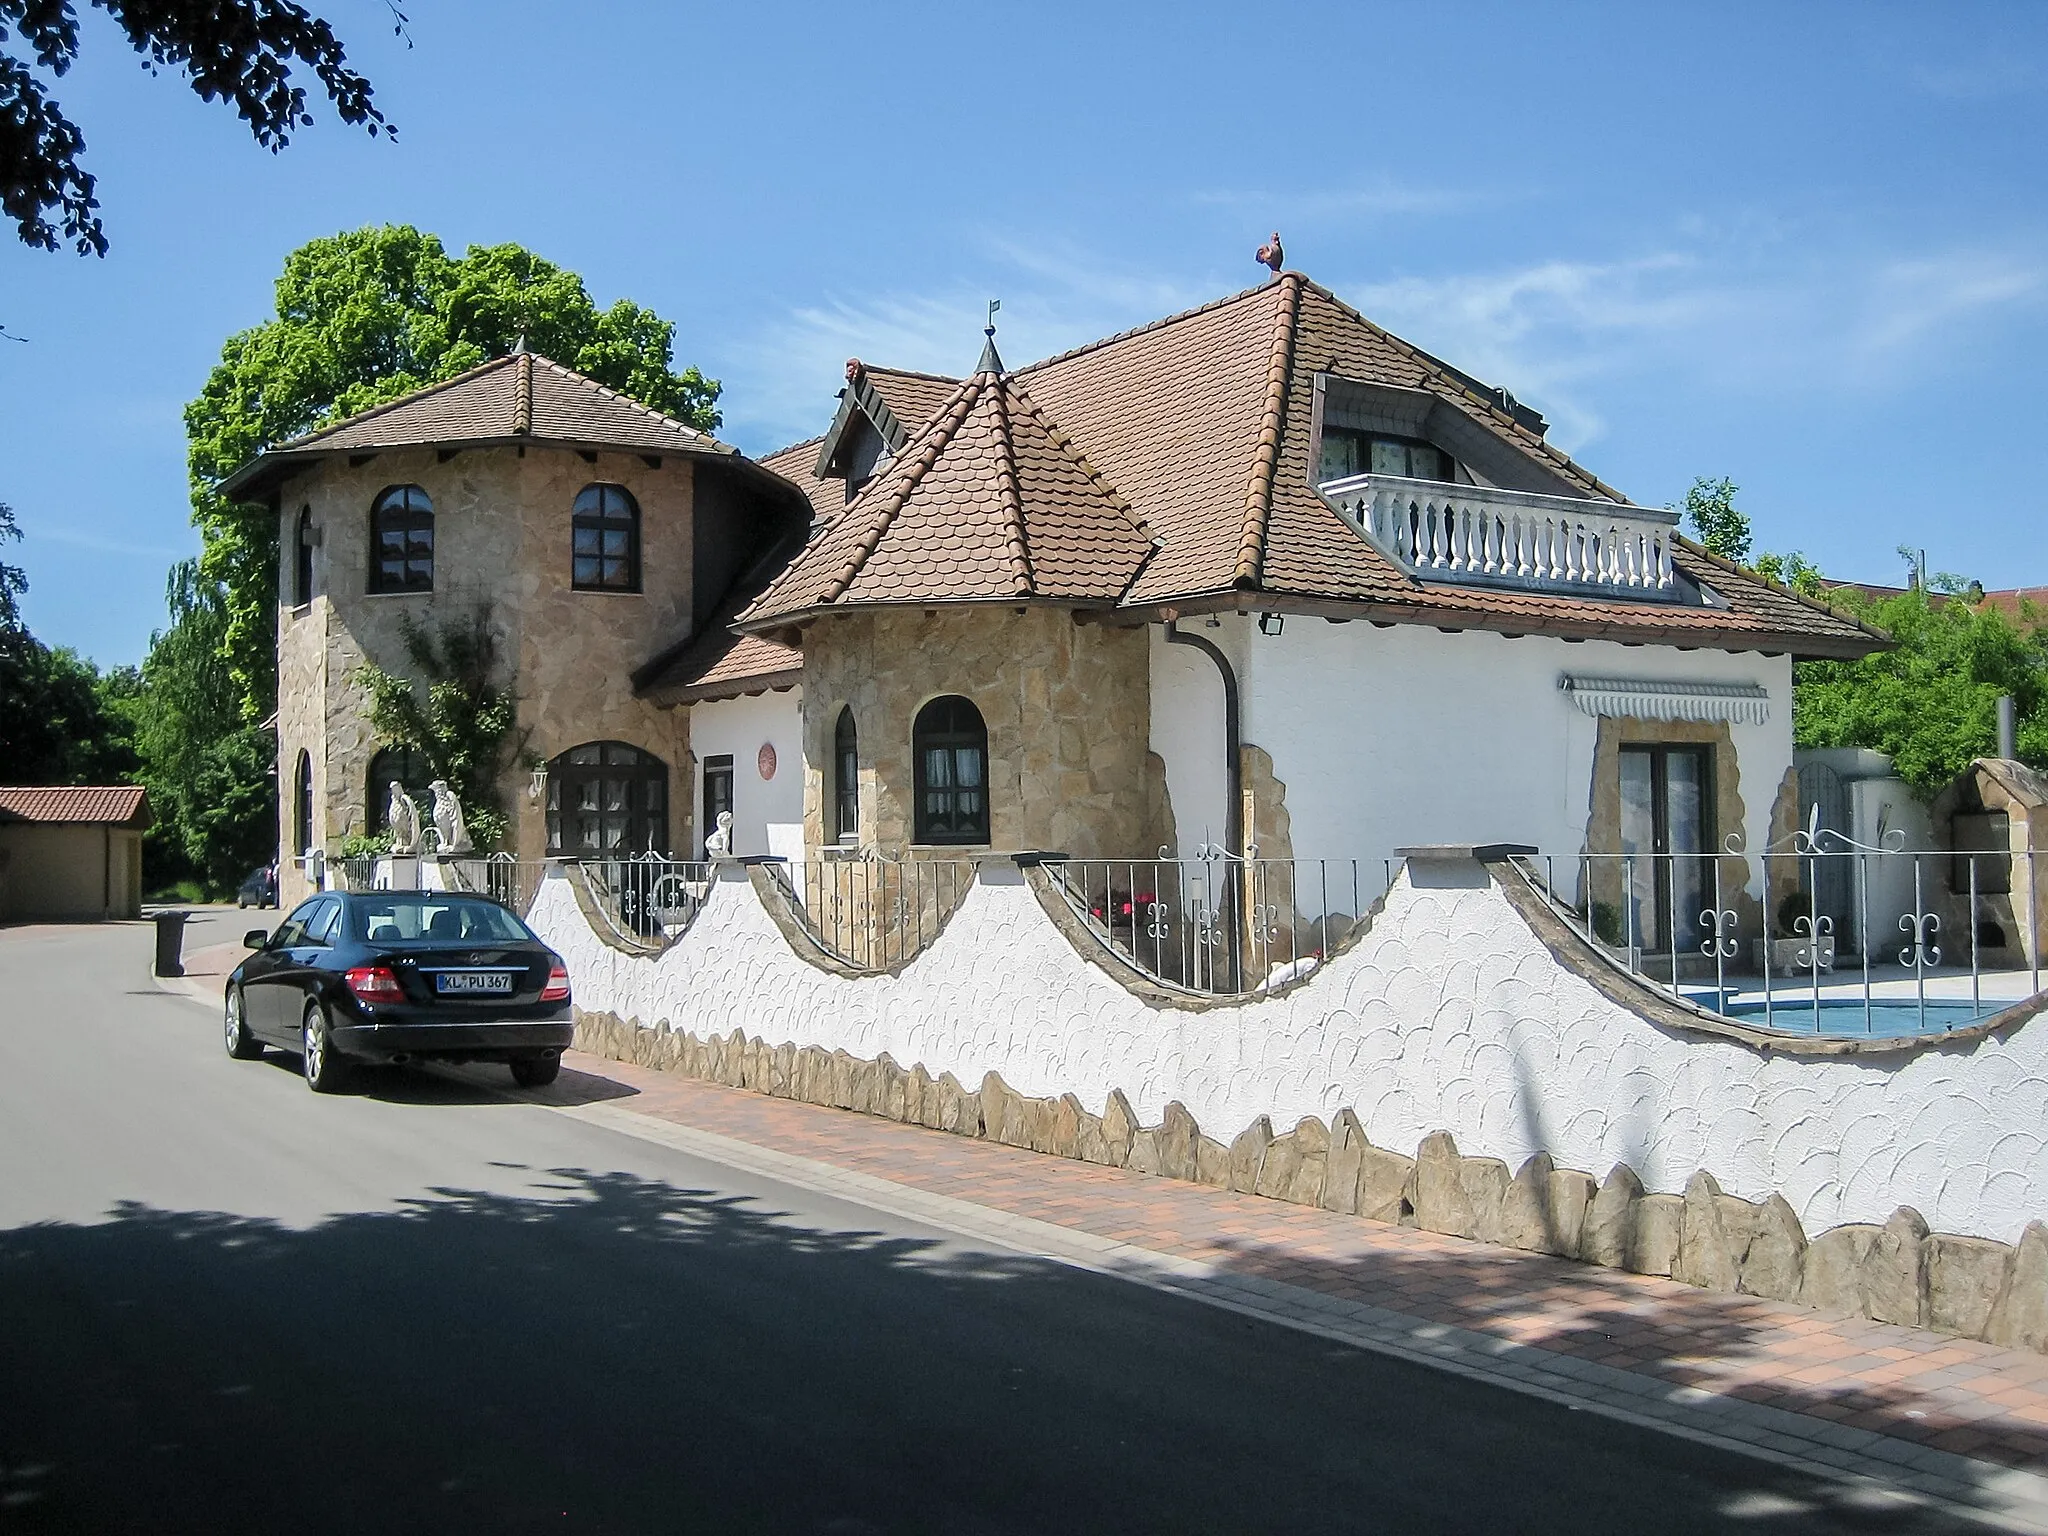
x=71, y=853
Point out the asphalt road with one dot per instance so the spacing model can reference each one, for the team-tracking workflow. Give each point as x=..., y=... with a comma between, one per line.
x=229, y=1305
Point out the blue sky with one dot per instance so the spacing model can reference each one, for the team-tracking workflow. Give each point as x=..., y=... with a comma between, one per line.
x=1805, y=247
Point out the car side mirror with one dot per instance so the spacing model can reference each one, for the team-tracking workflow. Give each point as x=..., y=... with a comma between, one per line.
x=255, y=938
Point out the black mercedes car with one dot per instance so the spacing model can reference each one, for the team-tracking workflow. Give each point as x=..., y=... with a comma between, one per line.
x=397, y=976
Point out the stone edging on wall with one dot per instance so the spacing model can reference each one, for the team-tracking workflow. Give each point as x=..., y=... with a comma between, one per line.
x=1899, y=1272
x=1658, y=1007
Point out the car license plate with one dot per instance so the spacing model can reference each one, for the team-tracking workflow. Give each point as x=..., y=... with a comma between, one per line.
x=469, y=983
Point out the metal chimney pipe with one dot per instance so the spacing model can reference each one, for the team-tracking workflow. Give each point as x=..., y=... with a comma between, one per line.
x=2007, y=748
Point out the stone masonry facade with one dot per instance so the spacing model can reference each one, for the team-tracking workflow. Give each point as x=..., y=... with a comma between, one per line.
x=501, y=544
x=1067, y=707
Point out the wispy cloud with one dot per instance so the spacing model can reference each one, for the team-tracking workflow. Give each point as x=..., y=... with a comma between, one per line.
x=36, y=532
x=1055, y=295
x=1756, y=316
x=1980, y=79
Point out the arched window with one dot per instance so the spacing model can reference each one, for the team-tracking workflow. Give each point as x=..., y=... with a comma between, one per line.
x=606, y=531
x=845, y=778
x=302, y=560
x=402, y=541
x=950, y=744
x=607, y=800
x=413, y=773
x=302, y=805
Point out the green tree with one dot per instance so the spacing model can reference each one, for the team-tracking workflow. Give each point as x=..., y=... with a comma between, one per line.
x=13, y=580
x=1724, y=529
x=240, y=51
x=363, y=318
x=60, y=721
x=1720, y=527
x=211, y=773
x=457, y=716
x=1931, y=701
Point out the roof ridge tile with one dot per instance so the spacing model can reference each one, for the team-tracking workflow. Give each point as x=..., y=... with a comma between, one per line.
x=1015, y=542
x=1258, y=496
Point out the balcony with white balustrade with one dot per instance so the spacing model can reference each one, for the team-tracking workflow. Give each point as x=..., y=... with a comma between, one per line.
x=1476, y=535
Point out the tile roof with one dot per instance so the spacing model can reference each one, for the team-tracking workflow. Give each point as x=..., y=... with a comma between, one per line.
x=1202, y=425
x=798, y=463
x=521, y=397
x=721, y=663
x=988, y=502
x=914, y=398
x=119, y=805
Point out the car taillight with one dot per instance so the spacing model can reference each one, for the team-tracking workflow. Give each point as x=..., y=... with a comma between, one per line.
x=375, y=984
x=557, y=989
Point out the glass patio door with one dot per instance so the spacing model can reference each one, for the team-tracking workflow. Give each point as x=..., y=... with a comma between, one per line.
x=1667, y=825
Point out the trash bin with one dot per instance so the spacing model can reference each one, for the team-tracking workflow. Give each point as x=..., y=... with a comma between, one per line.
x=170, y=943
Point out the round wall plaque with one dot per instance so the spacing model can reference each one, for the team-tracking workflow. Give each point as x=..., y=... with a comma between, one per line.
x=765, y=760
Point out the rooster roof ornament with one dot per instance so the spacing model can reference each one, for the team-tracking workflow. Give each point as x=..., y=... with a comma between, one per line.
x=1274, y=254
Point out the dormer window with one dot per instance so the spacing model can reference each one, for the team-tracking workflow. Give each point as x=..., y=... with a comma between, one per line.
x=1347, y=452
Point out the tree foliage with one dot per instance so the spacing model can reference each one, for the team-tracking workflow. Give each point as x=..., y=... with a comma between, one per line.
x=1721, y=529
x=60, y=722
x=210, y=773
x=242, y=52
x=1931, y=702
x=363, y=318
x=13, y=580
x=457, y=715
x=1724, y=529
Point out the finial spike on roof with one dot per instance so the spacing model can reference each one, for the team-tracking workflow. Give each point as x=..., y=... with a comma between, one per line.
x=991, y=360
x=519, y=343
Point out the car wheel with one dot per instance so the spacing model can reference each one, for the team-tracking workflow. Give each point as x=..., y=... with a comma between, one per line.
x=242, y=1045
x=324, y=1069
x=536, y=1071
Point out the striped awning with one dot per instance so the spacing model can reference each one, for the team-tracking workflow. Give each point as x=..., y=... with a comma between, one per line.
x=1642, y=698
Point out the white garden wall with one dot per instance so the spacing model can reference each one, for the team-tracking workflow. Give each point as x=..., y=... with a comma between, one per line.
x=1449, y=1014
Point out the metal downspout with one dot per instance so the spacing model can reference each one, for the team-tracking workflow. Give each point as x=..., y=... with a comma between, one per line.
x=1233, y=773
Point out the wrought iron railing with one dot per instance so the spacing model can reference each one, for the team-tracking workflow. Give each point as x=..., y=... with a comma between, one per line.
x=1220, y=925
x=648, y=898
x=1847, y=938
x=510, y=881
x=875, y=912
x=353, y=874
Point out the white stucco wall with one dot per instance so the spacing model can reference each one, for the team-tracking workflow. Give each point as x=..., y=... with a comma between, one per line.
x=1390, y=737
x=1187, y=733
x=739, y=727
x=1448, y=1015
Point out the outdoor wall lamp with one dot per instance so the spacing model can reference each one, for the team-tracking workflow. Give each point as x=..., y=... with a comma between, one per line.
x=537, y=786
x=1270, y=623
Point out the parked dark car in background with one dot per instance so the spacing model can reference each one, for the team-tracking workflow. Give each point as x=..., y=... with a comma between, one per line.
x=260, y=889
x=398, y=976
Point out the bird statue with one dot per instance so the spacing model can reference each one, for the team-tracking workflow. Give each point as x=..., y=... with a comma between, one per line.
x=853, y=367
x=1273, y=255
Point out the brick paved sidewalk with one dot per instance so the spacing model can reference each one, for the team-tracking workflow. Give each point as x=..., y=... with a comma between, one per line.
x=1914, y=1387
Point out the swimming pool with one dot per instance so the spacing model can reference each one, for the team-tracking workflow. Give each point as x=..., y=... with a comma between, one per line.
x=1887, y=1017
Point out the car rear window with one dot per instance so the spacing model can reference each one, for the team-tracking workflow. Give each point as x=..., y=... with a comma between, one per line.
x=425, y=917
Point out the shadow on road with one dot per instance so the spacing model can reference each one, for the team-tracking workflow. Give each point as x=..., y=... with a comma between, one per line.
x=600, y=1351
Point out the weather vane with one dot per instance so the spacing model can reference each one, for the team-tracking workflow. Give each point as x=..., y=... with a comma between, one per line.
x=993, y=306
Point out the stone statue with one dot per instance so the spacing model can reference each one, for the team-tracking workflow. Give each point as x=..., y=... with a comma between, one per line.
x=719, y=844
x=450, y=834
x=403, y=818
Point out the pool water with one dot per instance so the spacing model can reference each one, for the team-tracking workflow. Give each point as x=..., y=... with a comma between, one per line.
x=1888, y=1017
